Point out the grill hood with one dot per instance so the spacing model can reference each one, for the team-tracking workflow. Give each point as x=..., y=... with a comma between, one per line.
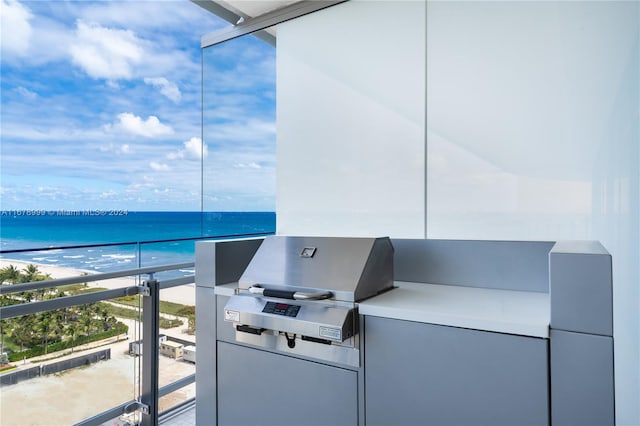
x=352, y=269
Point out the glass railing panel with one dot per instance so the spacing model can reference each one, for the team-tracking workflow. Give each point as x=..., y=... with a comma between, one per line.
x=168, y=253
x=77, y=353
x=177, y=351
x=65, y=365
x=238, y=223
x=174, y=399
x=116, y=378
x=63, y=262
x=239, y=131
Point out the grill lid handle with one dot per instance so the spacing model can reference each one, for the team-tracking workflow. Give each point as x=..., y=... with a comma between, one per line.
x=293, y=295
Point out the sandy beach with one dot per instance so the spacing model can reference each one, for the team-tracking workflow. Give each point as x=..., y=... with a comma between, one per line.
x=71, y=396
x=184, y=294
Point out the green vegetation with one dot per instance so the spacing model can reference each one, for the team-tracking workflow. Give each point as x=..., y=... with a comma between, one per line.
x=121, y=311
x=166, y=307
x=88, y=290
x=38, y=350
x=134, y=314
x=44, y=332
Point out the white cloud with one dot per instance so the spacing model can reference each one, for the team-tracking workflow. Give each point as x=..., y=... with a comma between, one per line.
x=26, y=93
x=194, y=149
x=139, y=14
x=168, y=89
x=106, y=52
x=134, y=125
x=16, y=28
x=109, y=194
x=118, y=149
x=251, y=130
x=159, y=167
x=252, y=165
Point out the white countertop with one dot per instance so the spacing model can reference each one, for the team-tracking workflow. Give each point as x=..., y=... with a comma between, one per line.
x=503, y=311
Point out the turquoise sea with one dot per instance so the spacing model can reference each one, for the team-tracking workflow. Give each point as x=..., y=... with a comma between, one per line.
x=140, y=236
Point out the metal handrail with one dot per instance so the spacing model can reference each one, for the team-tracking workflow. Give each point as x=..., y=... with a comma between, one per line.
x=149, y=409
x=35, y=285
x=178, y=384
x=148, y=405
x=129, y=243
x=13, y=311
x=111, y=413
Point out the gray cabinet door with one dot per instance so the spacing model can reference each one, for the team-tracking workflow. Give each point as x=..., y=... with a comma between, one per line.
x=423, y=374
x=262, y=388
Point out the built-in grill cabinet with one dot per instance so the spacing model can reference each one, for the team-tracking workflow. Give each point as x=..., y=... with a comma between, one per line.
x=299, y=290
x=288, y=337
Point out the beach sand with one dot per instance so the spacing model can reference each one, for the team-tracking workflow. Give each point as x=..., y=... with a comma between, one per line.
x=71, y=396
x=184, y=295
x=74, y=395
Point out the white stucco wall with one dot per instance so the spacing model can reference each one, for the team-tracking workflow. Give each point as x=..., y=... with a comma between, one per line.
x=532, y=132
x=351, y=120
x=533, y=112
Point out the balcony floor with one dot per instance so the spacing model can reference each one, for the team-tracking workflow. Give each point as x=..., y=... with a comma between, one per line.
x=184, y=417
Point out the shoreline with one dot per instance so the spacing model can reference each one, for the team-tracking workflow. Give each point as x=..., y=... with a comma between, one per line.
x=184, y=295
x=53, y=270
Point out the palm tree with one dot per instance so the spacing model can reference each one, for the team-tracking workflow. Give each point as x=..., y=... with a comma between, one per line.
x=9, y=274
x=72, y=331
x=5, y=300
x=22, y=332
x=104, y=317
x=31, y=273
x=111, y=322
x=48, y=327
x=87, y=323
x=4, y=325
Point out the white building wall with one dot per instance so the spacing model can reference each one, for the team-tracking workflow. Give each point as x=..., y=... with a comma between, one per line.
x=532, y=132
x=533, y=112
x=350, y=144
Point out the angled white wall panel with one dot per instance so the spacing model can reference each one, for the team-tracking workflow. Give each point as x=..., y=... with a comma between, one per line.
x=351, y=120
x=533, y=133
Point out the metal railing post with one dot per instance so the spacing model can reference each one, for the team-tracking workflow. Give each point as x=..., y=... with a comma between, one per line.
x=150, y=351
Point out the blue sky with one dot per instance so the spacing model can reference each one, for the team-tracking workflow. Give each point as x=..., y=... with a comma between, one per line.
x=101, y=110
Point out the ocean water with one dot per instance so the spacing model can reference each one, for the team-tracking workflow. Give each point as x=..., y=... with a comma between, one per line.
x=138, y=235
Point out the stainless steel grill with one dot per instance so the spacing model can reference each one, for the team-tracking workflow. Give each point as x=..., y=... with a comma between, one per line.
x=300, y=294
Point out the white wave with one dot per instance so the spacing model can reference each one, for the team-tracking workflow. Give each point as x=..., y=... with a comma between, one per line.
x=45, y=259
x=120, y=256
x=96, y=259
x=77, y=256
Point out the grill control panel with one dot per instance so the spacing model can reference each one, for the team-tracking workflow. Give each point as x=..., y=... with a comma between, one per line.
x=283, y=309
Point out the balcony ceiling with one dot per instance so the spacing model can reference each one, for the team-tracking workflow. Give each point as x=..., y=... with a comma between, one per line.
x=233, y=10
x=253, y=8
